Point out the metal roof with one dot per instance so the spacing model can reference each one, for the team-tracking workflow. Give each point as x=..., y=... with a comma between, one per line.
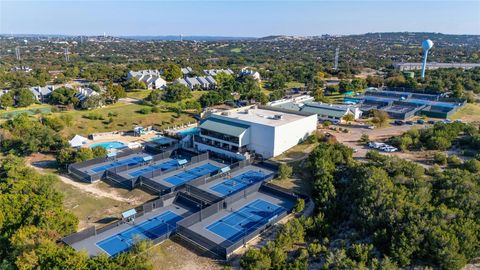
x=325, y=110
x=224, y=127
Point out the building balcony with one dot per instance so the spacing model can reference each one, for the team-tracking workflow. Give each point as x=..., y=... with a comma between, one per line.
x=220, y=145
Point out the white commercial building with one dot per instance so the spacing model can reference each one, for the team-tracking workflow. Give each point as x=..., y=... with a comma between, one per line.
x=328, y=112
x=205, y=83
x=254, y=130
x=252, y=73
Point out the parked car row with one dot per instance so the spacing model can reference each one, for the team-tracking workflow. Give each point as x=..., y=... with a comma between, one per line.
x=421, y=122
x=382, y=146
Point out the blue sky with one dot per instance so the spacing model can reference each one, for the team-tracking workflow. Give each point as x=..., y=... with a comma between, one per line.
x=237, y=18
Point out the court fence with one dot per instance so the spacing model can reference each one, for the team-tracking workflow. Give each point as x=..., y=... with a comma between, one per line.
x=141, y=210
x=226, y=248
x=76, y=169
x=207, y=178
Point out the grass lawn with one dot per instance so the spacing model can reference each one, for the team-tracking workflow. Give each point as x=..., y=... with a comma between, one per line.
x=294, y=85
x=469, y=113
x=236, y=50
x=140, y=94
x=32, y=109
x=127, y=116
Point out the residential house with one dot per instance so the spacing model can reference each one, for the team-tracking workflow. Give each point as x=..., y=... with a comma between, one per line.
x=151, y=78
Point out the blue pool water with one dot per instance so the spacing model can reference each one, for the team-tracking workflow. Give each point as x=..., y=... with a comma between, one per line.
x=109, y=145
x=238, y=182
x=150, y=229
x=191, y=174
x=190, y=131
x=245, y=220
x=128, y=161
x=163, y=166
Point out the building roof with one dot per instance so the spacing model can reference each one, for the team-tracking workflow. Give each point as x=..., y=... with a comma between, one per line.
x=224, y=126
x=263, y=115
x=324, y=109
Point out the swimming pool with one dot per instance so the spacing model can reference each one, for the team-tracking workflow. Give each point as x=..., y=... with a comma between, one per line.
x=109, y=145
x=189, y=131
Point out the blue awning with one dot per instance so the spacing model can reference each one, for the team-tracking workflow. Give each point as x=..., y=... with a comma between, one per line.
x=129, y=213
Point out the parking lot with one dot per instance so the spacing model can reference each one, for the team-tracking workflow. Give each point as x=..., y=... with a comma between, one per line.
x=351, y=139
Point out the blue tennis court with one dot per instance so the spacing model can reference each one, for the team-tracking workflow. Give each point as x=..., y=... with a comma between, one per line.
x=128, y=161
x=150, y=229
x=238, y=182
x=163, y=166
x=191, y=174
x=245, y=220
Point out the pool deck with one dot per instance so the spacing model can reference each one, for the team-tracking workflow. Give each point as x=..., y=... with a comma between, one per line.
x=201, y=227
x=161, y=178
x=90, y=244
x=207, y=187
x=89, y=170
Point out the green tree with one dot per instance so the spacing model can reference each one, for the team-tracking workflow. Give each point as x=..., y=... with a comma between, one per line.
x=6, y=100
x=172, y=72
x=284, y=171
x=177, y=92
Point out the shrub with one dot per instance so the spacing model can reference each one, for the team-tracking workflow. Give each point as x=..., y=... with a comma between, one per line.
x=145, y=110
x=300, y=205
x=454, y=160
x=284, y=171
x=440, y=158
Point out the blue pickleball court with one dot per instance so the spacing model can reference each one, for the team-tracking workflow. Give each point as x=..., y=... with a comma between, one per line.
x=245, y=220
x=238, y=182
x=163, y=166
x=129, y=161
x=150, y=229
x=191, y=174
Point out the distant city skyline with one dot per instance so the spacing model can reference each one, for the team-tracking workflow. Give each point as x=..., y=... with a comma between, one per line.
x=237, y=18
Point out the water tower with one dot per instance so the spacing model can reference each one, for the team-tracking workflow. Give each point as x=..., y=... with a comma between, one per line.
x=426, y=45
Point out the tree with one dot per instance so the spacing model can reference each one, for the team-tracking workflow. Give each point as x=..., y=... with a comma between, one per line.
x=24, y=97
x=134, y=84
x=458, y=90
x=64, y=96
x=348, y=118
x=278, y=81
x=155, y=96
x=254, y=259
x=299, y=206
x=113, y=93
x=177, y=92
x=92, y=102
x=380, y=118
x=210, y=99
x=172, y=72
x=6, y=100
x=284, y=171
x=364, y=139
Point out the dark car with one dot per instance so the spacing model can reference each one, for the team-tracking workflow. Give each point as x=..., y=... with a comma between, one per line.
x=420, y=121
x=399, y=122
x=409, y=122
x=431, y=122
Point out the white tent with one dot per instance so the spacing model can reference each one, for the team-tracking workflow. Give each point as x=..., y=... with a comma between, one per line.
x=78, y=141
